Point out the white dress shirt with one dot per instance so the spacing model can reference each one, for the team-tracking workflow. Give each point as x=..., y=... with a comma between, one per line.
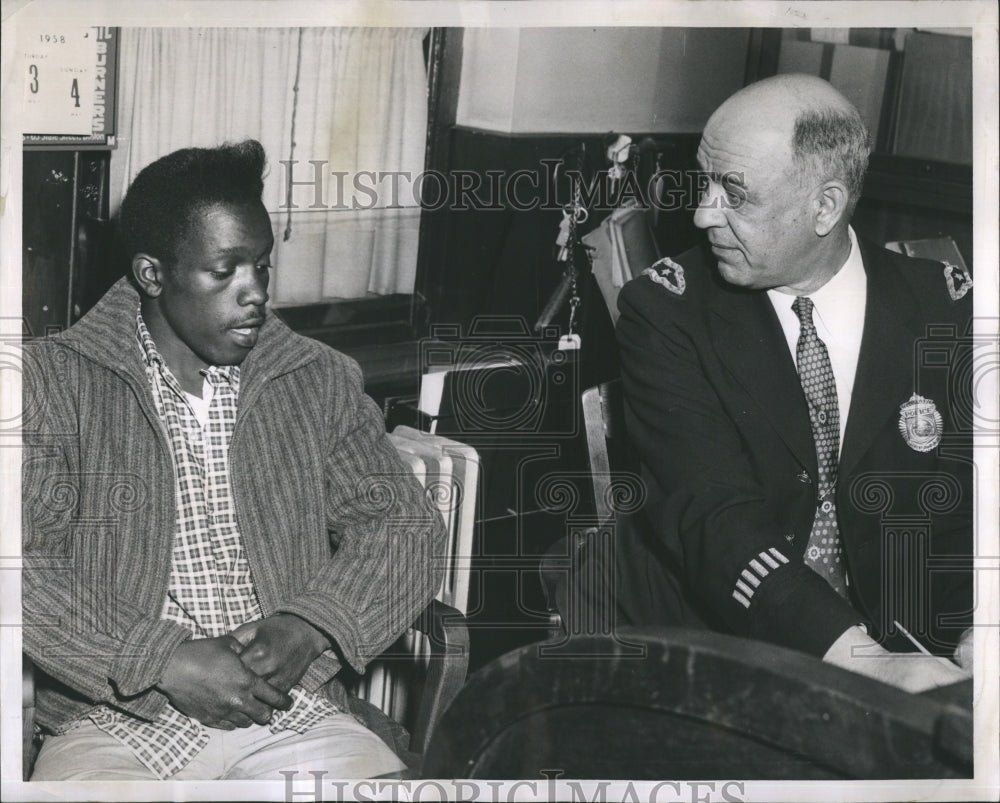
x=839, y=316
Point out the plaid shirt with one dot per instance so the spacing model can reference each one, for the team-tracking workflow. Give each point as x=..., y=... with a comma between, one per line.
x=211, y=590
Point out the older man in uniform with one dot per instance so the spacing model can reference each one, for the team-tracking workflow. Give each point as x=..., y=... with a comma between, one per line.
x=809, y=476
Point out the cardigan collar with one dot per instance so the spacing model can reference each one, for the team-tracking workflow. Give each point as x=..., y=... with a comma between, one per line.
x=106, y=335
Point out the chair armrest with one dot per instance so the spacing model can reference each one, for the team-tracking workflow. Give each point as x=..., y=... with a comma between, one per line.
x=448, y=666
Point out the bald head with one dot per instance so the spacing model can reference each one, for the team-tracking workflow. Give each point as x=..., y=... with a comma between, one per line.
x=783, y=163
x=785, y=96
x=828, y=138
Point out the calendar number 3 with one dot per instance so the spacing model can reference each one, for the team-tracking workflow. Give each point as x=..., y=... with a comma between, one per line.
x=74, y=90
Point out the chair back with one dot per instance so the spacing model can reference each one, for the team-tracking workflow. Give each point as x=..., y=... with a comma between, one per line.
x=451, y=476
x=617, y=487
x=418, y=675
x=622, y=247
x=608, y=447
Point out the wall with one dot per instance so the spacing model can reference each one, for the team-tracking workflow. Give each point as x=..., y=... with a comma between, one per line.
x=528, y=95
x=594, y=80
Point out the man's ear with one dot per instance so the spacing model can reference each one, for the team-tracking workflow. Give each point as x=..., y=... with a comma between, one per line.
x=148, y=274
x=831, y=206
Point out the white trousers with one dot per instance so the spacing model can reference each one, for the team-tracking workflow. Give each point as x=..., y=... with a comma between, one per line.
x=338, y=745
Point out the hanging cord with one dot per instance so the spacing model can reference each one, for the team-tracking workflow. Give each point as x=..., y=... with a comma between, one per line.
x=291, y=148
x=577, y=210
x=574, y=214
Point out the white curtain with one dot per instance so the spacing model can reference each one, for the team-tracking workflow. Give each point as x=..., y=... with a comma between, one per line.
x=360, y=105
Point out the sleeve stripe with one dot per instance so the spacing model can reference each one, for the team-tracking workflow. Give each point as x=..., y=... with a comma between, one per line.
x=750, y=578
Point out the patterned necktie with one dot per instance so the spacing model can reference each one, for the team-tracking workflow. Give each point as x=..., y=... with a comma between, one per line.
x=824, y=551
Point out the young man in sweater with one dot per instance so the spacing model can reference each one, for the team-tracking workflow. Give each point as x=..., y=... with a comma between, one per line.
x=214, y=519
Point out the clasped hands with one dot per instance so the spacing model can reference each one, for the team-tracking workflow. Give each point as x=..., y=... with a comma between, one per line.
x=232, y=681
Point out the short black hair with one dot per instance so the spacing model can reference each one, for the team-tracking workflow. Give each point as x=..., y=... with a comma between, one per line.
x=157, y=211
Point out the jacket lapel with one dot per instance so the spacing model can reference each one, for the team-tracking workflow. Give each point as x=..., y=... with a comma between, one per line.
x=98, y=336
x=884, y=377
x=106, y=335
x=749, y=341
x=278, y=351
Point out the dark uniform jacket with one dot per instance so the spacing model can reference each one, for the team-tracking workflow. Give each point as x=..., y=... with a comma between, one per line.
x=716, y=412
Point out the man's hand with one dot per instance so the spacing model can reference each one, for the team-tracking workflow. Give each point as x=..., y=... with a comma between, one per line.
x=280, y=648
x=206, y=680
x=912, y=672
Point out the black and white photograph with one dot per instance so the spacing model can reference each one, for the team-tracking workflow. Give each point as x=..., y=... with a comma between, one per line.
x=500, y=401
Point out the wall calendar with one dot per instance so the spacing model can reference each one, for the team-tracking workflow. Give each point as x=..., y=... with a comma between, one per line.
x=69, y=76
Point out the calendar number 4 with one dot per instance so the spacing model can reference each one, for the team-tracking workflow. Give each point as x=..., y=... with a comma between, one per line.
x=74, y=90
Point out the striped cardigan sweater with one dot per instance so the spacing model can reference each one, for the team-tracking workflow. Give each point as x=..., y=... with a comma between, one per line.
x=336, y=528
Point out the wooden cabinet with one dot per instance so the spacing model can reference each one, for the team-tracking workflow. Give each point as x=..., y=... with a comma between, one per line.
x=67, y=246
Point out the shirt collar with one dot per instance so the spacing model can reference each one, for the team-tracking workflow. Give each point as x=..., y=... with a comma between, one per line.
x=152, y=359
x=844, y=294
x=150, y=356
x=841, y=297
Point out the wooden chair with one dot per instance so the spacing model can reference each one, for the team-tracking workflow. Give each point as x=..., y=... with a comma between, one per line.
x=417, y=678
x=616, y=486
x=455, y=489
x=622, y=247
x=612, y=458
x=696, y=705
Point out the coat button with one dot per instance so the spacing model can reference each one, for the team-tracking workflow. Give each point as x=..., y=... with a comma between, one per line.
x=803, y=477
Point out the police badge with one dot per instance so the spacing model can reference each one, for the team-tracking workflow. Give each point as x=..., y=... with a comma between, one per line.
x=920, y=423
x=669, y=274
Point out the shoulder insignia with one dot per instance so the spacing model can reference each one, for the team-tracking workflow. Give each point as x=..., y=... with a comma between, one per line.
x=920, y=423
x=669, y=274
x=958, y=280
